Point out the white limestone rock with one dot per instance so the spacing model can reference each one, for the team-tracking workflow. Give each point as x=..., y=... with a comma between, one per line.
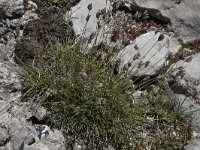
x=185, y=77
x=80, y=12
x=147, y=55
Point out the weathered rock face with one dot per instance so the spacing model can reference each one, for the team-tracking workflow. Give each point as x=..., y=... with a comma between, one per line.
x=16, y=129
x=147, y=54
x=185, y=78
x=189, y=104
x=11, y=8
x=4, y=136
x=185, y=81
x=80, y=12
x=183, y=14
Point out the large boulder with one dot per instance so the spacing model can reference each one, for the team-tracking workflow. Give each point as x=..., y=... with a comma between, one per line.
x=147, y=54
x=183, y=14
x=185, y=82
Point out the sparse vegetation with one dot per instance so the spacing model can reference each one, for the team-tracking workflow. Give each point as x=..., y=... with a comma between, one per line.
x=92, y=104
x=89, y=102
x=86, y=99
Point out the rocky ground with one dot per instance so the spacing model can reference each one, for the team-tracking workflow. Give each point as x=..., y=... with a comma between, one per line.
x=155, y=45
x=17, y=127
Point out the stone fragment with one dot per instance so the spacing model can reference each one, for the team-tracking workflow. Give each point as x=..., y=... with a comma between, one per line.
x=4, y=136
x=40, y=113
x=80, y=12
x=11, y=8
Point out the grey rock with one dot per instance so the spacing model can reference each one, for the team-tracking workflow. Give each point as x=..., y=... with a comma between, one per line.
x=11, y=8
x=59, y=136
x=4, y=137
x=8, y=146
x=21, y=137
x=185, y=81
x=44, y=146
x=80, y=12
x=184, y=15
x=15, y=125
x=15, y=115
x=147, y=55
x=194, y=145
x=43, y=131
x=189, y=105
x=40, y=113
x=185, y=77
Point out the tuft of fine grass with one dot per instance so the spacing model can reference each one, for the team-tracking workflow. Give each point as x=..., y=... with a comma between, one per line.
x=89, y=102
x=86, y=99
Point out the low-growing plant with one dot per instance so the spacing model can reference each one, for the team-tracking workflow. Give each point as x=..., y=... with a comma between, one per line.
x=83, y=96
x=89, y=102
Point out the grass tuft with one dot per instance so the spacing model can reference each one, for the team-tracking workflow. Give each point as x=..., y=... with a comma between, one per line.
x=88, y=99
x=83, y=96
x=89, y=102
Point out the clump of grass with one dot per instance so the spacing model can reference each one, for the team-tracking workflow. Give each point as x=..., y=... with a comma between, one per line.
x=89, y=102
x=86, y=99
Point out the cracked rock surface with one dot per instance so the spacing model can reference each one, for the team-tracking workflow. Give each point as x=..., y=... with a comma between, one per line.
x=185, y=82
x=146, y=54
x=184, y=15
x=186, y=77
x=16, y=129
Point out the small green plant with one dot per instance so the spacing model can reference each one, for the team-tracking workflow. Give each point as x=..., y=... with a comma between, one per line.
x=85, y=97
x=91, y=103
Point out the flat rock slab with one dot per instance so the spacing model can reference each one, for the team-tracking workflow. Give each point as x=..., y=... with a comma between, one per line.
x=147, y=54
x=184, y=15
x=185, y=77
x=80, y=13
